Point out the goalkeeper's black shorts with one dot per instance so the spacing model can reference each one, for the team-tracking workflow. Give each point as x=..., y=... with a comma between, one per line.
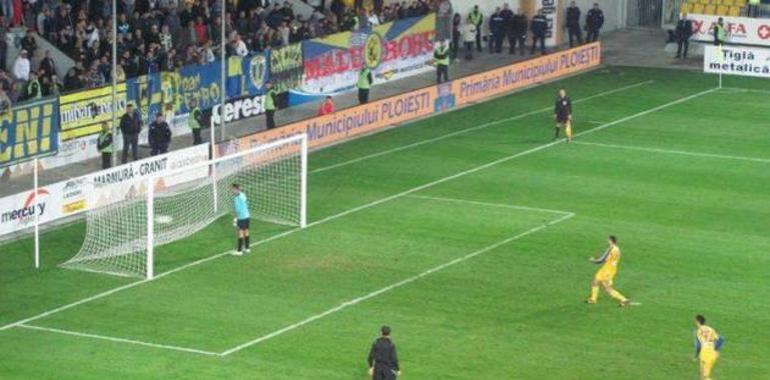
x=243, y=224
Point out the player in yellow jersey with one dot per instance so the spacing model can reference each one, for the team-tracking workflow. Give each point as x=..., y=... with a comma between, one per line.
x=606, y=274
x=707, y=345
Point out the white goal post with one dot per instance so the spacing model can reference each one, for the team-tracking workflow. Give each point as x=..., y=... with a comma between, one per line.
x=122, y=236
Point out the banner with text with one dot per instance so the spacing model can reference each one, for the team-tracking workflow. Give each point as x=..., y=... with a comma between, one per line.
x=740, y=30
x=29, y=130
x=737, y=60
x=98, y=189
x=393, y=50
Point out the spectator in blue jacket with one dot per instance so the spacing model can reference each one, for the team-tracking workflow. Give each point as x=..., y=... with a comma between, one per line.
x=496, y=31
x=159, y=135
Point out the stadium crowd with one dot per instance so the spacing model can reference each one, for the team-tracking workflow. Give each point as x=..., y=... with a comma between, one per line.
x=160, y=35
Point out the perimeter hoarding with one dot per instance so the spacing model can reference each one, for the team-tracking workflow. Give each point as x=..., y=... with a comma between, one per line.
x=98, y=189
x=737, y=60
x=385, y=113
x=740, y=30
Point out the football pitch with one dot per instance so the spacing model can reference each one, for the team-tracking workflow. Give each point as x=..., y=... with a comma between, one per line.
x=468, y=233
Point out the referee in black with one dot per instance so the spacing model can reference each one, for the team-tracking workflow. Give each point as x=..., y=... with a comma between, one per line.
x=383, y=361
x=562, y=112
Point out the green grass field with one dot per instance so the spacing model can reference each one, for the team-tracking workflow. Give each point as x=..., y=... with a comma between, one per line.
x=469, y=234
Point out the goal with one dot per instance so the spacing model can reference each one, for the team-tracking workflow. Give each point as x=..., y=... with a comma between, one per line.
x=121, y=237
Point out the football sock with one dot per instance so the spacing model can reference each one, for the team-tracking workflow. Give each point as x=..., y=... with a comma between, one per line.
x=240, y=244
x=594, y=293
x=616, y=295
x=247, y=242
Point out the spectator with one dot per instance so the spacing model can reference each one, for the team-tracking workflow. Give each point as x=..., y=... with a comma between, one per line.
x=3, y=48
x=33, y=90
x=21, y=67
x=72, y=80
x=159, y=135
x=104, y=143
x=130, y=127
x=47, y=65
x=573, y=24
x=51, y=86
x=327, y=106
x=594, y=22
x=5, y=102
x=469, y=36
x=270, y=98
x=365, y=80
x=476, y=18
x=29, y=43
x=683, y=34
x=539, y=27
x=457, y=22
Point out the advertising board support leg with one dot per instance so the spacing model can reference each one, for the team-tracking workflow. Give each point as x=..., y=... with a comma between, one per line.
x=36, y=214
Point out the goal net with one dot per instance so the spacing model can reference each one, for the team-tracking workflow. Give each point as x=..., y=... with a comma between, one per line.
x=121, y=236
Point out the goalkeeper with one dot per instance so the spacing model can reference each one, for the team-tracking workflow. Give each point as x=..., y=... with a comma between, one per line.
x=241, y=222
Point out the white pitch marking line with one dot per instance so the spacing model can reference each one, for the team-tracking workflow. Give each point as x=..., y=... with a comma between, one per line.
x=499, y=205
x=357, y=209
x=738, y=89
x=388, y=288
x=673, y=151
x=467, y=130
x=119, y=340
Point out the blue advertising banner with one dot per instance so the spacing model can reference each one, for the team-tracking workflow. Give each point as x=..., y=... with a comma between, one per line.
x=29, y=130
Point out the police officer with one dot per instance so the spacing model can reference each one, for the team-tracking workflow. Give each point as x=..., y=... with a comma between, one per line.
x=507, y=15
x=365, y=80
x=683, y=34
x=594, y=22
x=195, y=122
x=539, y=27
x=270, y=98
x=720, y=33
x=520, y=26
x=159, y=135
x=573, y=24
x=104, y=144
x=496, y=31
x=477, y=19
x=441, y=57
x=382, y=360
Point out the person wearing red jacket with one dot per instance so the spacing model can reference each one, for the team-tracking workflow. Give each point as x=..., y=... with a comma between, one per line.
x=327, y=106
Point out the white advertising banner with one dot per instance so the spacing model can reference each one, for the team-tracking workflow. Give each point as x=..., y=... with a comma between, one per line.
x=740, y=30
x=73, y=196
x=737, y=60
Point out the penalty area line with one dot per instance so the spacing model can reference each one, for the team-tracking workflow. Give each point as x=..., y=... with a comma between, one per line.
x=488, y=204
x=674, y=151
x=393, y=286
x=118, y=340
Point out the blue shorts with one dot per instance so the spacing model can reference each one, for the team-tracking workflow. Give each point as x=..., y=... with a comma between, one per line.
x=243, y=224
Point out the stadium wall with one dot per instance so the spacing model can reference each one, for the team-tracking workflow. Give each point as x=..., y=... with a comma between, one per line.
x=390, y=112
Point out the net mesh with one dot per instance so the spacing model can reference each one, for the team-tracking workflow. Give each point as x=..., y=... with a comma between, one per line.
x=187, y=201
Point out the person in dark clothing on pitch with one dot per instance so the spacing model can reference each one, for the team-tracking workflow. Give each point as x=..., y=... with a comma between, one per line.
x=383, y=360
x=683, y=34
x=573, y=24
x=539, y=27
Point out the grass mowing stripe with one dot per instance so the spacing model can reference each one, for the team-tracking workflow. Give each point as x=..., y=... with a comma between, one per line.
x=118, y=340
x=674, y=151
x=388, y=288
x=362, y=207
x=471, y=129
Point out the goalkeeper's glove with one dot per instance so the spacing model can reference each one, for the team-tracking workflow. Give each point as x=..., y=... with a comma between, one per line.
x=235, y=222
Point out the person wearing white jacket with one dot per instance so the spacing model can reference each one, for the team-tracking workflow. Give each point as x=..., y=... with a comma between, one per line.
x=469, y=37
x=21, y=67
